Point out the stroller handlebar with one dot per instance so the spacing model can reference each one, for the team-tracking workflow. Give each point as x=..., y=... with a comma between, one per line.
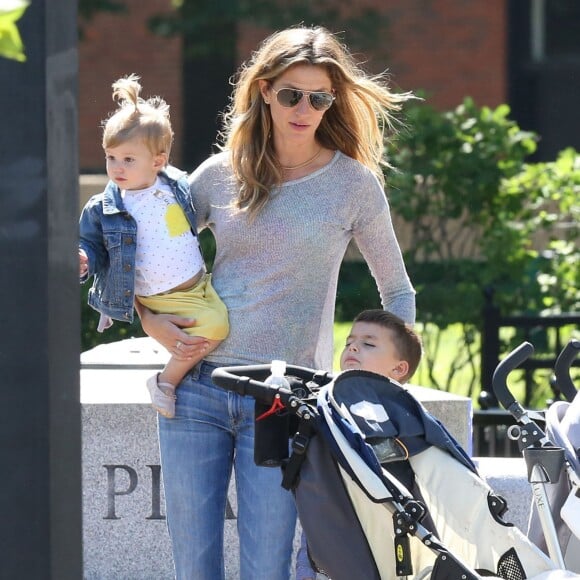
x=503, y=369
x=562, y=369
x=249, y=380
x=244, y=385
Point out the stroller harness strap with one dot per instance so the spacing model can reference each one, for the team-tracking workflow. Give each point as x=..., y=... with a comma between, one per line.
x=300, y=442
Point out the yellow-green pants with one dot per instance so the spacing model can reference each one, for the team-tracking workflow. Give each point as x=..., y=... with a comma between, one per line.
x=200, y=302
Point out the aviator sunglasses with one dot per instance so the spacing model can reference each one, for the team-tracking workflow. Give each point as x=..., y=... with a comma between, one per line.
x=319, y=100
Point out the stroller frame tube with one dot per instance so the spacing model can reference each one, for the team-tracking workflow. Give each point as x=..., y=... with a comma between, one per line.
x=544, y=513
x=562, y=369
x=537, y=449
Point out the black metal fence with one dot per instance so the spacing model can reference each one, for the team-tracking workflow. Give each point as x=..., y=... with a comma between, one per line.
x=490, y=438
x=528, y=327
x=490, y=423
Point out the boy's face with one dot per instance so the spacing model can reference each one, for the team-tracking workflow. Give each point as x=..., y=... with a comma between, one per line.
x=132, y=166
x=369, y=347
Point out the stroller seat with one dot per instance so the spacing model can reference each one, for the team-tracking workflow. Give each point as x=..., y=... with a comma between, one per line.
x=462, y=518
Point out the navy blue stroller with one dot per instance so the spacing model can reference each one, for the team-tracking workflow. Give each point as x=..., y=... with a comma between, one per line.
x=382, y=489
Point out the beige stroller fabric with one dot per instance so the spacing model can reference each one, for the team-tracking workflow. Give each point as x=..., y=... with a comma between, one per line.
x=563, y=429
x=457, y=500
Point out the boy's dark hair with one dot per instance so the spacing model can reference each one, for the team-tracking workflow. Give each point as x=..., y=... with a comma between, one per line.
x=407, y=341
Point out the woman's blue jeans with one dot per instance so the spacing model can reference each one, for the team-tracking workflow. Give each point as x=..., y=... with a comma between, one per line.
x=212, y=431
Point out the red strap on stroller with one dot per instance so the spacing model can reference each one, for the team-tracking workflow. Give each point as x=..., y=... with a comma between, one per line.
x=277, y=405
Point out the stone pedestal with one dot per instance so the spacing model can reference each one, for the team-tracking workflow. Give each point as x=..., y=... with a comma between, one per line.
x=124, y=530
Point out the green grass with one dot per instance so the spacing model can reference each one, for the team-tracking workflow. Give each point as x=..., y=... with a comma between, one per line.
x=341, y=330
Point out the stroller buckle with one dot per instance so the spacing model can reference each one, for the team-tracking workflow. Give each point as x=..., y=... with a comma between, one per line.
x=300, y=443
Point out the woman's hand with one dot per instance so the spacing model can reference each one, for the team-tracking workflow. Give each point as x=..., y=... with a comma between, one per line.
x=167, y=330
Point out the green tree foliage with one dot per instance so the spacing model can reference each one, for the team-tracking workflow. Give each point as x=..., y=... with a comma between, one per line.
x=479, y=213
x=11, y=45
x=552, y=212
x=447, y=184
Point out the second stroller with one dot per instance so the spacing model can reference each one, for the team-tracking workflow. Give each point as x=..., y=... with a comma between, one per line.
x=550, y=445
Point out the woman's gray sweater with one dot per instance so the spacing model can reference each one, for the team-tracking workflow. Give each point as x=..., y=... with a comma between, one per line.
x=278, y=274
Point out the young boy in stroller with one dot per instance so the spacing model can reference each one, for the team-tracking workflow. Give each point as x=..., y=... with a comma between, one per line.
x=378, y=342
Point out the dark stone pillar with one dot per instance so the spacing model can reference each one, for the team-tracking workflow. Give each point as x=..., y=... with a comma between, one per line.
x=40, y=435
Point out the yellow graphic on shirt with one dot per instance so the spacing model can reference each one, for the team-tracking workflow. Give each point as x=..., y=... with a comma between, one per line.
x=176, y=221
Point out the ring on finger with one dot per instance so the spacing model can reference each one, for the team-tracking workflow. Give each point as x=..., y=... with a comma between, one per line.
x=178, y=345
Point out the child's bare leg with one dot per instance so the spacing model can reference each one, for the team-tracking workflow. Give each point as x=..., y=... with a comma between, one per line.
x=162, y=386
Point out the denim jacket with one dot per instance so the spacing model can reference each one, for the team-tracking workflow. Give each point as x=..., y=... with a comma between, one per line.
x=108, y=235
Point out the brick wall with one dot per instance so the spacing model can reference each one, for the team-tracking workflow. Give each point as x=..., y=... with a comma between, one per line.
x=449, y=48
x=113, y=46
